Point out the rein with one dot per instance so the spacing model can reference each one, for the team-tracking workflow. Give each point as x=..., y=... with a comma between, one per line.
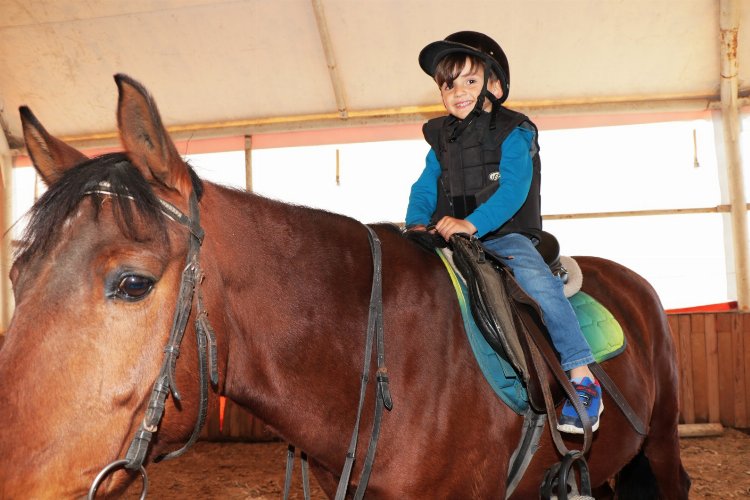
x=382, y=396
x=165, y=382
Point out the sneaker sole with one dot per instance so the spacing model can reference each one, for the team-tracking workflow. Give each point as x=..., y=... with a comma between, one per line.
x=572, y=429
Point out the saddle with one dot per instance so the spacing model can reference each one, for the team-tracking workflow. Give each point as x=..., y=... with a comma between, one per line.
x=512, y=324
x=504, y=313
x=510, y=320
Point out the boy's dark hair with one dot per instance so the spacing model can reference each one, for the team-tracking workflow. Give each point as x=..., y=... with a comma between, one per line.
x=450, y=66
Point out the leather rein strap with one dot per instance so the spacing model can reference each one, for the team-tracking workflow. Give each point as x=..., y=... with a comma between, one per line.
x=165, y=381
x=383, y=393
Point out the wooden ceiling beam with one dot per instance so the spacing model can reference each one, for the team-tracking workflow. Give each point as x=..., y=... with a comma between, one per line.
x=333, y=70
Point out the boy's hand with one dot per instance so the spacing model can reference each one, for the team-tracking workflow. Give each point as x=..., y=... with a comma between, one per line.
x=448, y=226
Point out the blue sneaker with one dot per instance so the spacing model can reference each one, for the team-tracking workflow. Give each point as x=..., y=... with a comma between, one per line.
x=590, y=394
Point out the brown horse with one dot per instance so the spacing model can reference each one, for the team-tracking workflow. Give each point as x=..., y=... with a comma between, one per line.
x=287, y=292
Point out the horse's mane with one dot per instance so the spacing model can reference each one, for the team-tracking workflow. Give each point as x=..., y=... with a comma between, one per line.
x=134, y=202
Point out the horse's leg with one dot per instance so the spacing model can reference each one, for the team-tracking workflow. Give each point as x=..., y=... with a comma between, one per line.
x=659, y=461
x=665, y=466
x=603, y=492
x=636, y=305
x=642, y=471
x=662, y=445
x=662, y=449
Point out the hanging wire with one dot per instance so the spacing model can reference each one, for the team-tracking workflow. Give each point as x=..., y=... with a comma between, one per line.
x=696, y=164
x=338, y=168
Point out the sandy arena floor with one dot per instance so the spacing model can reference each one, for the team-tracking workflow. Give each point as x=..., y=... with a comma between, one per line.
x=718, y=466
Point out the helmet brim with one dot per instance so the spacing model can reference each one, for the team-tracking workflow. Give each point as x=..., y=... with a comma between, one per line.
x=431, y=55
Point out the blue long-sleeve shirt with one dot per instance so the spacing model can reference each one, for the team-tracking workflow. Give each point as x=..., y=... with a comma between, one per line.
x=516, y=170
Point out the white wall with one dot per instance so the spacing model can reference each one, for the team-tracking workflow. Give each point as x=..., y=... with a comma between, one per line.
x=618, y=168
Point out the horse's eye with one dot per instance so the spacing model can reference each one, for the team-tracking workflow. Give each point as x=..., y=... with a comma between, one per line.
x=134, y=287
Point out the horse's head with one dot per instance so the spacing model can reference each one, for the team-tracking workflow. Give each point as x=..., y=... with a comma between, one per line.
x=96, y=280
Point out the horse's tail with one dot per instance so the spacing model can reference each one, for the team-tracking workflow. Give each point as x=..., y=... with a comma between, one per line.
x=637, y=481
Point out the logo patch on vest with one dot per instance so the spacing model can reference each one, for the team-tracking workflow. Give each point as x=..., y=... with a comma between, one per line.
x=494, y=176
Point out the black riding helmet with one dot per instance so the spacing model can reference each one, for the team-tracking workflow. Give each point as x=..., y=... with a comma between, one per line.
x=469, y=42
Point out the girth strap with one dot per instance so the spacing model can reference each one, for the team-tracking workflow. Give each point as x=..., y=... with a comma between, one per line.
x=383, y=394
x=531, y=433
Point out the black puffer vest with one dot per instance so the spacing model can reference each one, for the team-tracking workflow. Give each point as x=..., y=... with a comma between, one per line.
x=469, y=167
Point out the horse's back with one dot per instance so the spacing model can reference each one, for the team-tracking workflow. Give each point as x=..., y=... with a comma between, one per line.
x=448, y=411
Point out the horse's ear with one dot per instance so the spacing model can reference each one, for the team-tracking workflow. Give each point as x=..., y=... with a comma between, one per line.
x=51, y=156
x=146, y=140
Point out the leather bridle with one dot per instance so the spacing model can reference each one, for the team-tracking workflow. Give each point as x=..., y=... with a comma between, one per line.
x=165, y=382
x=207, y=359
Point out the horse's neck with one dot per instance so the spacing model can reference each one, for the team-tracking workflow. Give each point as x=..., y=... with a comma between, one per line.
x=294, y=288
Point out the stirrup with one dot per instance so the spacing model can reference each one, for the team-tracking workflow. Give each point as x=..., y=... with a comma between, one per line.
x=558, y=479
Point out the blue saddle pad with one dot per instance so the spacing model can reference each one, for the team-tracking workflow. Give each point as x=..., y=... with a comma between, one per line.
x=602, y=331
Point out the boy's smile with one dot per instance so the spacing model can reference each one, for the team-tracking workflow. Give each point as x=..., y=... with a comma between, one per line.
x=460, y=96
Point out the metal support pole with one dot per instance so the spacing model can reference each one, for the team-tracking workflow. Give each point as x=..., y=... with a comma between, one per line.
x=729, y=25
x=6, y=220
x=249, y=163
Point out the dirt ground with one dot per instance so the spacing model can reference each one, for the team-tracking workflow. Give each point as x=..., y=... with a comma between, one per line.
x=719, y=467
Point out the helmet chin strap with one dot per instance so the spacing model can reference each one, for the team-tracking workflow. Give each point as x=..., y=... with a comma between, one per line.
x=478, y=107
x=493, y=113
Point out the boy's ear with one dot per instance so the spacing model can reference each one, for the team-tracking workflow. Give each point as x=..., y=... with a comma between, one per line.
x=494, y=86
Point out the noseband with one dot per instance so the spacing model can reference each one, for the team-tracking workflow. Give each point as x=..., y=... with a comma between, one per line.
x=165, y=382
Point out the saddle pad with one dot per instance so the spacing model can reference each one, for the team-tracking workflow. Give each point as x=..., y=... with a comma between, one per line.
x=498, y=372
x=602, y=331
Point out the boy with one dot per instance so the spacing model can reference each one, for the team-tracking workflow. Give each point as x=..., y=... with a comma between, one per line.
x=482, y=177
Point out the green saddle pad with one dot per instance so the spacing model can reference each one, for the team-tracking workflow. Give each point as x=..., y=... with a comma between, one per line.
x=602, y=331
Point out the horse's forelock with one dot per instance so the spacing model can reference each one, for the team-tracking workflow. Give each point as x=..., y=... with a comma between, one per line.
x=134, y=201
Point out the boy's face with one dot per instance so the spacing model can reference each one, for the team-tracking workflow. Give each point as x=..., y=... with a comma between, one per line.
x=460, y=97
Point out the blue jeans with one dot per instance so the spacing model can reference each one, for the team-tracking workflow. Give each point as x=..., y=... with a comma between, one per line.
x=535, y=277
